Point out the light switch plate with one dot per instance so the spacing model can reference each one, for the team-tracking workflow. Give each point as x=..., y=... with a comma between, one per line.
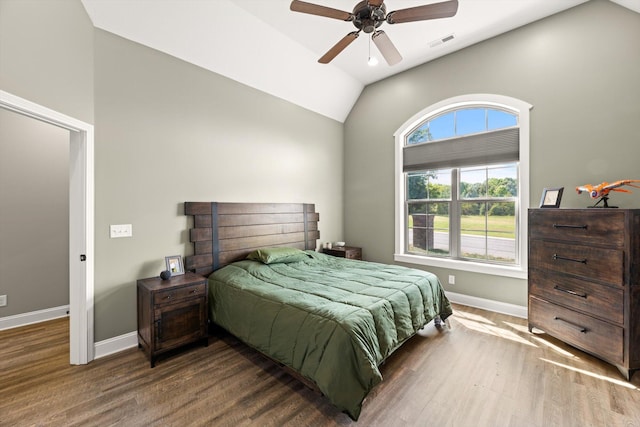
x=120, y=230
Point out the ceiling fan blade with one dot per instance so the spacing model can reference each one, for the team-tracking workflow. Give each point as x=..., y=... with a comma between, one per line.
x=376, y=3
x=388, y=50
x=444, y=9
x=316, y=9
x=339, y=47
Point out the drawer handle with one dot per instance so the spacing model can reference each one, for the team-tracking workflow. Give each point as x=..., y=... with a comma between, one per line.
x=569, y=226
x=169, y=296
x=578, y=327
x=558, y=257
x=569, y=291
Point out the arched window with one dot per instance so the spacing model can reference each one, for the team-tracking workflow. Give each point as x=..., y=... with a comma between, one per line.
x=462, y=185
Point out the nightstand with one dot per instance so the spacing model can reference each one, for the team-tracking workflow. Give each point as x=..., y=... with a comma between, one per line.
x=171, y=313
x=350, y=252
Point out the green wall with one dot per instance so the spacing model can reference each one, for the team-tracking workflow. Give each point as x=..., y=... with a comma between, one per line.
x=46, y=56
x=169, y=132
x=578, y=69
x=165, y=132
x=34, y=214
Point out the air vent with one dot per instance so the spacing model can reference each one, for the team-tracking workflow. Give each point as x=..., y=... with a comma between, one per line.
x=439, y=41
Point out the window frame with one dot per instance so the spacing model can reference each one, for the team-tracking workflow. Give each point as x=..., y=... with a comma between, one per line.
x=513, y=105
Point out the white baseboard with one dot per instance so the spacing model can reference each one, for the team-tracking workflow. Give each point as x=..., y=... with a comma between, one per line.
x=487, y=304
x=123, y=342
x=101, y=349
x=129, y=340
x=115, y=344
x=38, y=316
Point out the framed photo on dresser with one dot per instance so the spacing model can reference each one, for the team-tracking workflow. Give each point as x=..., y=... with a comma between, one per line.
x=551, y=197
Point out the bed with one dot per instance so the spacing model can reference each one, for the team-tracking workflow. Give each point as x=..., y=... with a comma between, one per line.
x=332, y=321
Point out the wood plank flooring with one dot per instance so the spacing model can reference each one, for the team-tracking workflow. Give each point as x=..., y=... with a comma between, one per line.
x=486, y=369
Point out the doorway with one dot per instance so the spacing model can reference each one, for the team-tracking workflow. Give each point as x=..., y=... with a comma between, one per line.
x=81, y=221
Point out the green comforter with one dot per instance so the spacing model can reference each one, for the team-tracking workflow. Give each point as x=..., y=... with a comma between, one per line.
x=331, y=319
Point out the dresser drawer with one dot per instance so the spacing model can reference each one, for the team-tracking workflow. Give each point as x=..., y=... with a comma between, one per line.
x=597, y=227
x=580, y=260
x=170, y=296
x=585, y=332
x=605, y=302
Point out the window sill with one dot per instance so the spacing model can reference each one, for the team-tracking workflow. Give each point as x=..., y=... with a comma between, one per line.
x=475, y=267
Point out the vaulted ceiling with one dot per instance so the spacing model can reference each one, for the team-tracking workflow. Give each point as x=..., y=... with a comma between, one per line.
x=263, y=44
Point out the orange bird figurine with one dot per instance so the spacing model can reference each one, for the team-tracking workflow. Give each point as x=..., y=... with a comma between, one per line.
x=602, y=190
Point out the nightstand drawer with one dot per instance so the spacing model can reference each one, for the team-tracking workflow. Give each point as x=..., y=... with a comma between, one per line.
x=170, y=296
x=354, y=253
x=349, y=252
x=582, y=331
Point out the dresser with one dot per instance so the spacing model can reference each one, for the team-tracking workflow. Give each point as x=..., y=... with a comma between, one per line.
x=584, y=281
x=171, y=313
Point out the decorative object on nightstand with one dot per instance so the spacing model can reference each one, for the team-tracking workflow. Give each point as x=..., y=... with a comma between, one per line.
x=171, y=313
x=350, y=252
x=584, y=281
x=165, y=275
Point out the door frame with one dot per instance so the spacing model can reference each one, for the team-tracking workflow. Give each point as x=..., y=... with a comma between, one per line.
x=81, y=221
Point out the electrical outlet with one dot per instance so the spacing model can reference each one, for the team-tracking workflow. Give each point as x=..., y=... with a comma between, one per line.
x=120, y=230
x=452, y=279
x=3, y=300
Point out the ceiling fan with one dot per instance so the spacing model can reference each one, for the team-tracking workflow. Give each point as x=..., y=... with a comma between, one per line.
x=368, y=15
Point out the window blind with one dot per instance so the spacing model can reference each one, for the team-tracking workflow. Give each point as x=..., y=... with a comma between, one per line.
x=485, y=148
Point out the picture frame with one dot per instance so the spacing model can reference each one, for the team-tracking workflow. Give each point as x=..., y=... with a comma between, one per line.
x=174, y=264
x=551, y=197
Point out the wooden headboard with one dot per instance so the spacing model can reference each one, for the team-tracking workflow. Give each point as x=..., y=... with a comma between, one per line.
x=226, y=232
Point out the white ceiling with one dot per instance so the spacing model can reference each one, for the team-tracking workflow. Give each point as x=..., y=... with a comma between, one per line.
x=262, y=44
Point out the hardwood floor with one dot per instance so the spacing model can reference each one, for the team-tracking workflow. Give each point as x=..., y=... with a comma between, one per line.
x=485, y=370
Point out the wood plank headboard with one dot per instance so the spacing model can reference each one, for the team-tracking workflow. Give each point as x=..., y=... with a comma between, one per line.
x=226, y=232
